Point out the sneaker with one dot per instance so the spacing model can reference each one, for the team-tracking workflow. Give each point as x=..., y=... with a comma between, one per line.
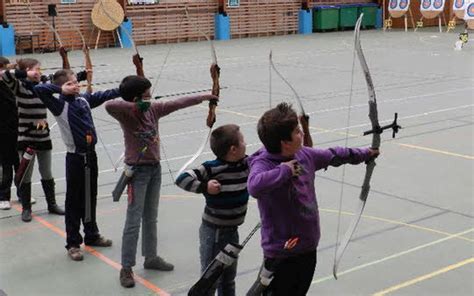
x=126, y=277
x=26, y=215
x=5, y=205
x=75, y=254
x=99, y=242
x=157, y=263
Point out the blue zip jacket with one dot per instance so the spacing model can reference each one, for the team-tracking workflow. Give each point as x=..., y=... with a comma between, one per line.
x=73, y=113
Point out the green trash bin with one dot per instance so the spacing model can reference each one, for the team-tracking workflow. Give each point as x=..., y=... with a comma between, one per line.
x=325, y=17
x=370, y=14
x=348, y=14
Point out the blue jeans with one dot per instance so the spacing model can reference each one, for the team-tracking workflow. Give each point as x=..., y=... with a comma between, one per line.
x=212, y=240
x=143, y=209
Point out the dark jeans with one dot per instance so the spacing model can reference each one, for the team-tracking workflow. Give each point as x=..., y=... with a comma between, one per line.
x=293, y=275
x=75, y=200
x=212, y=240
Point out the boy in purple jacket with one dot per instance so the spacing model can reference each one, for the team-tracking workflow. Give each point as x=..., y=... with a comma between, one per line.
x=138, y=118
x=282, y=179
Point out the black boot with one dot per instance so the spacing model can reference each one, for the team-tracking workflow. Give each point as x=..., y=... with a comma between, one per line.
x=48, y=188
x=24, y=192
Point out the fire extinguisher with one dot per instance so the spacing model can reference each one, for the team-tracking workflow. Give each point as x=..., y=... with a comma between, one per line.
x=25, y=163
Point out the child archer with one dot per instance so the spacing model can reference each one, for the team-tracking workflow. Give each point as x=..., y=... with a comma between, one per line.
x=139, y=118
x=73, y=114
x=223, y=182
x=282, y=180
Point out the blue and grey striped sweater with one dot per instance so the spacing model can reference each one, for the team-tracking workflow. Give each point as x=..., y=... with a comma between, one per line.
x=228, y=208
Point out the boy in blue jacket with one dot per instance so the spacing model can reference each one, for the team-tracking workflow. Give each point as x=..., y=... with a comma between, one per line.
x=73, y=115
x=282, y=180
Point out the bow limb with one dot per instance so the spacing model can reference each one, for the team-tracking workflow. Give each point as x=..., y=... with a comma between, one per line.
x=136, y=59
x=64, y=57
x=215, y=74
x=62, y=50
x=211, y=116
x=89, y=70
x=304, y=118
x=370, y=165
x=87, y=57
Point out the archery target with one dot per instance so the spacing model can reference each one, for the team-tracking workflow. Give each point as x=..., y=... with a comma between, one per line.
x=431, y=8
x=469, y=15
x=107, y=15
x=459, y=6
x=398, y=8
x=425, y=5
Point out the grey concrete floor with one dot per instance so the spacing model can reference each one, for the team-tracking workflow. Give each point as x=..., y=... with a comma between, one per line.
x=416, y=236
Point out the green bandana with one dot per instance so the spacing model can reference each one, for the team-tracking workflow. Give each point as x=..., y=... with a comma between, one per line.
x=143, y=106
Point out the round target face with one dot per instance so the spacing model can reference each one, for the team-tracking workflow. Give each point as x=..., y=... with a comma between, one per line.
x=438, y=4
x=426, y=4
x=470, y=10
x=459, y=4
x=403, y=4
x=393, y=4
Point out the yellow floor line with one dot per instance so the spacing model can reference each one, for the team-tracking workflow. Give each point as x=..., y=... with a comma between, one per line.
x=393, y=256
x=424, y=277
x=436, y=151
x=399, y=223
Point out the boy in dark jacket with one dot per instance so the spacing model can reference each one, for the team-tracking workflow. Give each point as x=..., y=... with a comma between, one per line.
x=282, y=180
x=74, y=117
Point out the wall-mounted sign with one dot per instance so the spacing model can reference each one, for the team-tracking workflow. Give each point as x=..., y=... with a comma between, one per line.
x=68, y=1
x=233, y=3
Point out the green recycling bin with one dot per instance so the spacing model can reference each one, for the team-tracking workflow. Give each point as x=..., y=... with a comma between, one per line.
x=370, y=14
x=325, y=17
x=348, y=14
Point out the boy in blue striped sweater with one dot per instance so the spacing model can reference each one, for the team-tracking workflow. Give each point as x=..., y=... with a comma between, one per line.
x=223, y=182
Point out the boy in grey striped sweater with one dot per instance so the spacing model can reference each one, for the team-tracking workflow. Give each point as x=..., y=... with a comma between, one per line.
x=33, y=132
x=223, y=182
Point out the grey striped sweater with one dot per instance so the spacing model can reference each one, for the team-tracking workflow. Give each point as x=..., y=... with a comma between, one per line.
x=31, y=111
x=228, y=208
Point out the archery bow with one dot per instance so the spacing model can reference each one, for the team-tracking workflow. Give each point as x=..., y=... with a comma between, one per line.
x=136, y=58
x=62, y=50
x=304, y=118
x=211, y=116
x=370, y=164
x=87, y=57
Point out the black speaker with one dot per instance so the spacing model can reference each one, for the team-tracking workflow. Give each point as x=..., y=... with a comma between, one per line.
x=52, y=10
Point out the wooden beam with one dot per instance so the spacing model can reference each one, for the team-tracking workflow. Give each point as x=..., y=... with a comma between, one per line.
x=2, y=12
x=305, y=4
x=221, y=5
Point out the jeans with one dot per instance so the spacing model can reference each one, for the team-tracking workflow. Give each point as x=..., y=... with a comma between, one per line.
x=144, y=196
x=212, y=240
x=44, y=165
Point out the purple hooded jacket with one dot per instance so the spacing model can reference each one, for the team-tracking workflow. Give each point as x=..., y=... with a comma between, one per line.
x=287, y=204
